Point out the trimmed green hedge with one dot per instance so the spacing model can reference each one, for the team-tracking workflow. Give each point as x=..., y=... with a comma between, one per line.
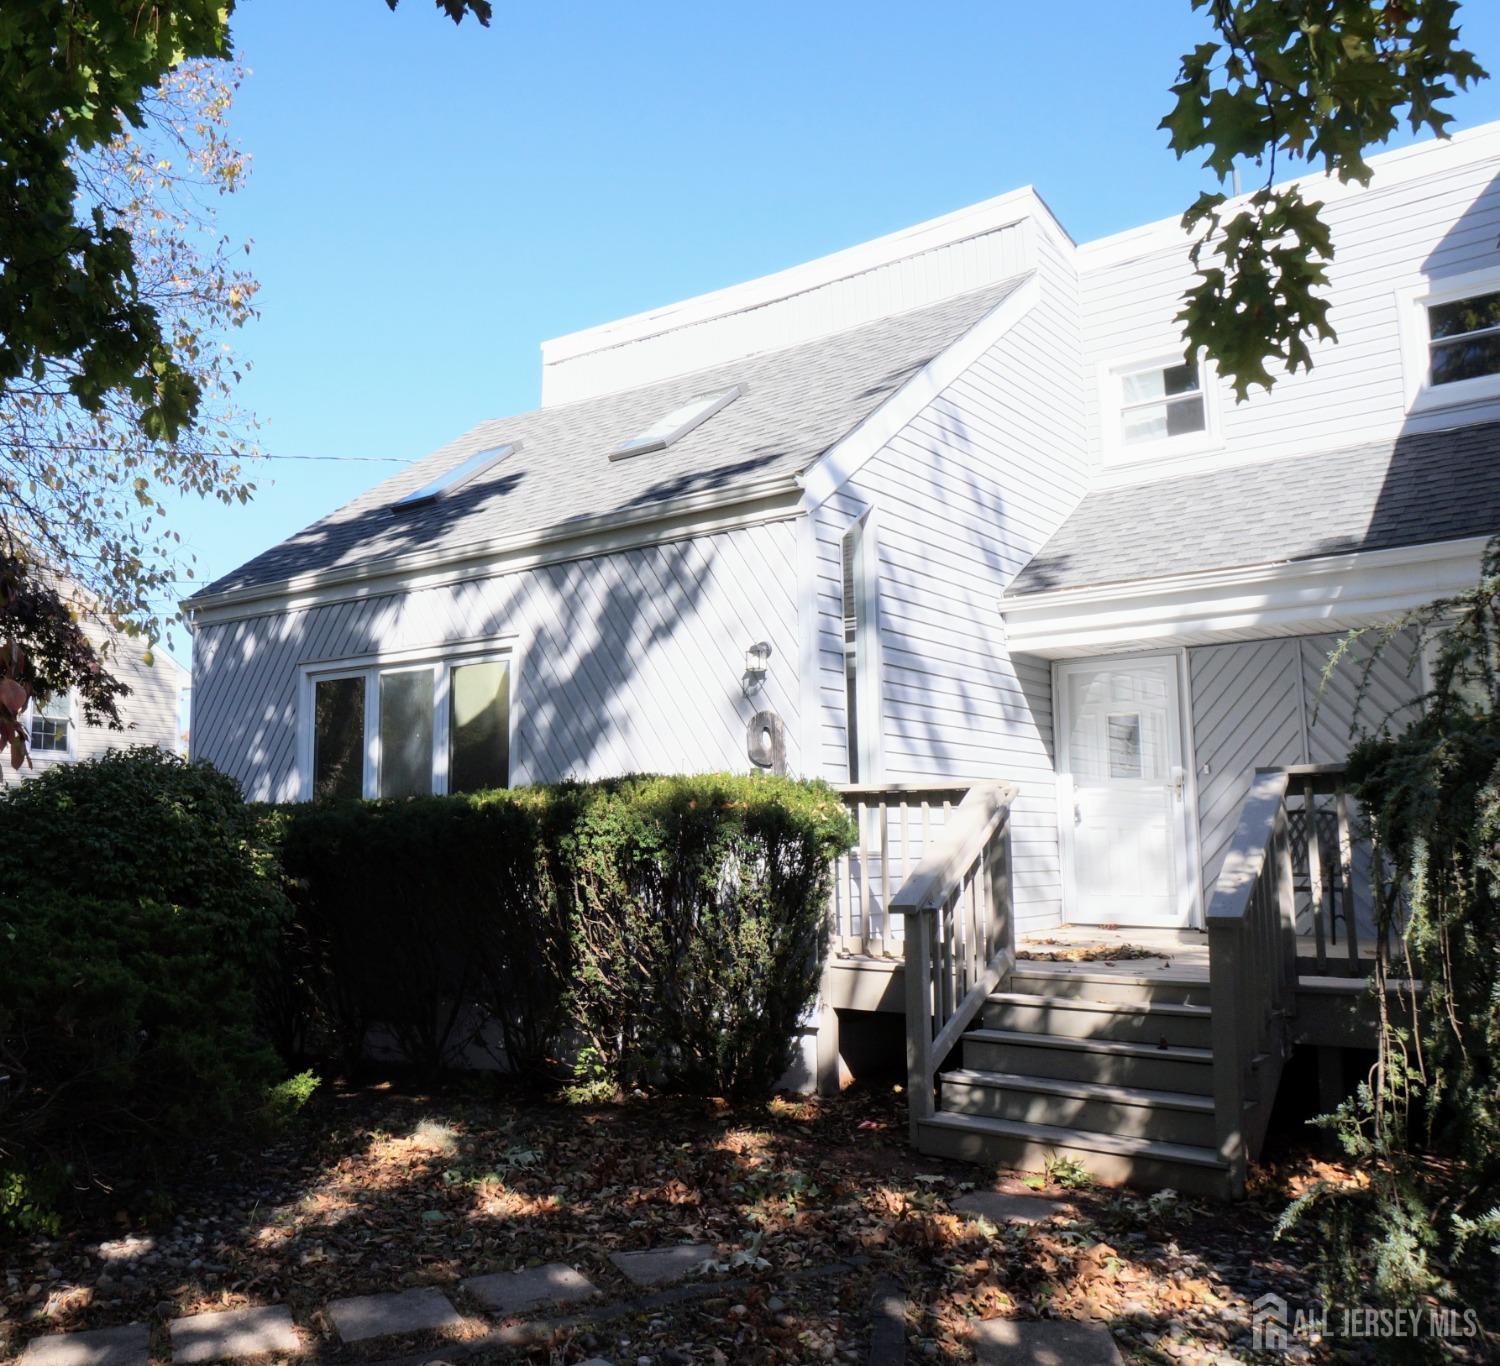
x=660, y=931
x=137, y=924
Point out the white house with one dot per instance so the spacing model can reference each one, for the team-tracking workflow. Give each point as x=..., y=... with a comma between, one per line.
x=990, y=523
x=57, y=731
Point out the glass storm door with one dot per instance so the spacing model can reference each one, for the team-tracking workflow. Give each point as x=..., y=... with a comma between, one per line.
x=1123, y=808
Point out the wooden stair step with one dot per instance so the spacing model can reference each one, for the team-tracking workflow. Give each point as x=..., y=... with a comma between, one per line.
x=1160, y=1066
x=1087, y=1090
x=1093, y=1106
x=1154, y=1022
x=1183, y=1011
x=1112, y=1159
x=1116, y=1047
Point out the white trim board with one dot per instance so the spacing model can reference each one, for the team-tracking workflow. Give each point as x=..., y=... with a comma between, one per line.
x=1431, y=156
x=1287, y=598
x=847, y=456
x=975, y=220
x=580, y=539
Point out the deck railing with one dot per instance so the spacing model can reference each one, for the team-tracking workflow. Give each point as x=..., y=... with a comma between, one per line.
x=960, y=934
x=897, y=825
x=1296, y=865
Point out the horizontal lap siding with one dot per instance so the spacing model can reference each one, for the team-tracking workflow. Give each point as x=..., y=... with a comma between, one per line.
x=1387, y=241
x=963, y=497
x=625, y=662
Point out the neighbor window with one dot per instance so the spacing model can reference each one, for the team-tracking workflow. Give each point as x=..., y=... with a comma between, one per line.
x=50, y=723
x=1463, y=338
x=409, y=729
x=1161, y=401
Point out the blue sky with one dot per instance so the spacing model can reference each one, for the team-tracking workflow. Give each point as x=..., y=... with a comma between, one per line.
x=427, y=203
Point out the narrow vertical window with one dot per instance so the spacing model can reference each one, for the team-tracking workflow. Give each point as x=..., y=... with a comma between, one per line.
x=339, y=738
x=860, y=682
x=479, y=727
x=406, y=733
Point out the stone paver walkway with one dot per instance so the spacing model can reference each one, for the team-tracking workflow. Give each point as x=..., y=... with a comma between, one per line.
x=381, y=1316
x=1046, y=1342
x=659, y=1265
x=513, y=1292
x=127, y=1346
x=1000, y=1208
x=229, y=1333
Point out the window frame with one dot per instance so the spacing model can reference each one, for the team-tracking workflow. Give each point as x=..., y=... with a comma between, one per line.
x=865, y=756
x=1414, y=305
x=1116, y=451
x=32, y=713
x=441, y=660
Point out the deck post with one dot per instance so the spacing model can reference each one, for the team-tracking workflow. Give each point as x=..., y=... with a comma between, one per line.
x=919, y=1103
x=1229, y=1030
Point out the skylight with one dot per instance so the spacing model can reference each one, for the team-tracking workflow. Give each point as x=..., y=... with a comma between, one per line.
x=677, y=424
x=450, y=481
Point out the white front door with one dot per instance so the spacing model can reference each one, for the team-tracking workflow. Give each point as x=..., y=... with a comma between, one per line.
x=1123, y=792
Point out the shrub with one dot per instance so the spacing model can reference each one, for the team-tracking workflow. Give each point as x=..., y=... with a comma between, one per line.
x=138, y=919
x=425, y=917
x=1420, y=1223
x=698, y=925
x=676, y=924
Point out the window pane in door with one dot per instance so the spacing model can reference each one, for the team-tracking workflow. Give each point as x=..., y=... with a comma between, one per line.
x=1125, y=745
x=406, y=733
x=479, y=735
x=339, y=738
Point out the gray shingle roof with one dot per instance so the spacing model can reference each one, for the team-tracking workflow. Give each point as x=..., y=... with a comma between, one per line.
x=1414, y=490
x=798, y=402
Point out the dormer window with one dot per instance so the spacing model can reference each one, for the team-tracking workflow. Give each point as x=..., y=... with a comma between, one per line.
x=1450, y=337
x=1160, y=402
x=1463, y=339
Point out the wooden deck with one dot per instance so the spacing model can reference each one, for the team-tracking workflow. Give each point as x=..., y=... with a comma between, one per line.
x=1177, y=950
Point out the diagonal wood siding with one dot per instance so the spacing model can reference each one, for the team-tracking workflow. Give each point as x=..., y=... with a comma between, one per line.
x=625, y=663
x=1263, y=703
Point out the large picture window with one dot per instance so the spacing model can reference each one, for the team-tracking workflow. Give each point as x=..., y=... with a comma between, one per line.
x=407, y=727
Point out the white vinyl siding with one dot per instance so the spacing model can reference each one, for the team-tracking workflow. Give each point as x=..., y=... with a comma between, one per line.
x=624, y=662
x=964, y=495
x=1411, y=235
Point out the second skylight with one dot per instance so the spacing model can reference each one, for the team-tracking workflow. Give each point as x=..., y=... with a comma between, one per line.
x=678, y=423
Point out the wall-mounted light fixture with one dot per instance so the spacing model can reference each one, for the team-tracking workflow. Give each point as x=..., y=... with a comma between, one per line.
x=757, y=662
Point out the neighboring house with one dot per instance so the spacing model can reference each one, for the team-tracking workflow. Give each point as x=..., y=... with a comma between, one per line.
x=58, y=733
x=990, y=523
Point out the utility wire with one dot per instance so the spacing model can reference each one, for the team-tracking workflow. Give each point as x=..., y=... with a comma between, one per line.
x=249, y=456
